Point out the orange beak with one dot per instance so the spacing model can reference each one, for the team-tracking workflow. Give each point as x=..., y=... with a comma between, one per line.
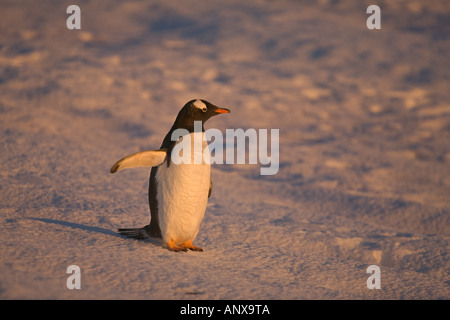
x=222, y=110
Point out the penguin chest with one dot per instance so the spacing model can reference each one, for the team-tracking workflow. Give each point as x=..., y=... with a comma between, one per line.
x=182, y=194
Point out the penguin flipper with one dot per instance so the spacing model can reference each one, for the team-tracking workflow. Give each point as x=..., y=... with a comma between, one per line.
x=150, y=158
x=210, y=188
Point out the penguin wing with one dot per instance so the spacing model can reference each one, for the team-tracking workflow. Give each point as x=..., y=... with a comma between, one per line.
x=150, y=158
x=210, y=188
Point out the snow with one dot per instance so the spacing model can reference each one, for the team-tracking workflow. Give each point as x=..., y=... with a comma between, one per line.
x=364, y=130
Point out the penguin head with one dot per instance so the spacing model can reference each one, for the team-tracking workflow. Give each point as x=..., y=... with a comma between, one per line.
x=197, y=110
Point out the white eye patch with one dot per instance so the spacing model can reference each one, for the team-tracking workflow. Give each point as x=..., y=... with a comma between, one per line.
x=200, y=105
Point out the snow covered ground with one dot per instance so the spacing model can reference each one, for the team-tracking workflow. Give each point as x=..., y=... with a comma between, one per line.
x=364, y=120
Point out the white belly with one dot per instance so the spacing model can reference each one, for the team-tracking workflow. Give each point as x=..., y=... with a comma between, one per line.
x=182, y=196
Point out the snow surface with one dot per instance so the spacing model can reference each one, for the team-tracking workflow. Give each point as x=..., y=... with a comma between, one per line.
x=364, y=120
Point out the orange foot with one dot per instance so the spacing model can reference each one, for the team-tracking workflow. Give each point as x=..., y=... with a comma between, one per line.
x=190, y=246
x=173, y=247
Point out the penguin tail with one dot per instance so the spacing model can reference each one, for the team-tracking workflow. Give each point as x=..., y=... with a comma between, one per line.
x=141, y=233
x=137, y=233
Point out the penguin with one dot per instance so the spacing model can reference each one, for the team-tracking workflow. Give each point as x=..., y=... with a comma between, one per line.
x=178, y=192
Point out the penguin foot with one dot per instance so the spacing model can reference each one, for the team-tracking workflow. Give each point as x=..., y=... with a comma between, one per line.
x=174, y=247
x=190, y=246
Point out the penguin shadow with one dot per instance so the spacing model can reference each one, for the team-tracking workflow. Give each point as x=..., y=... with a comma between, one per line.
x=84, y=227
x=74, y=225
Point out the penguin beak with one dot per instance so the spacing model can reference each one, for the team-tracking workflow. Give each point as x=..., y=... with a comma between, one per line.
x=222, y=110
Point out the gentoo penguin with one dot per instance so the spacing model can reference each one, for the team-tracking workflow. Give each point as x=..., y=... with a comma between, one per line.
x=178, y=192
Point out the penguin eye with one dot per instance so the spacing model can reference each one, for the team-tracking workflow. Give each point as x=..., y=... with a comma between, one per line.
x=204, y=109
